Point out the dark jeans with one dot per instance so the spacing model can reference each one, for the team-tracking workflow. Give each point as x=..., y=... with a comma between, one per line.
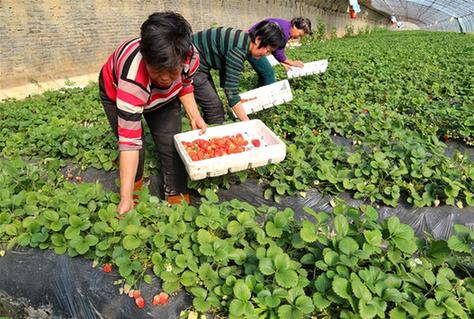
x=164, y=123
x=206, y=96
x=265, y=71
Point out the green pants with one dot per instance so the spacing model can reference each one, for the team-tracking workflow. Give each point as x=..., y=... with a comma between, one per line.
x=265, y=72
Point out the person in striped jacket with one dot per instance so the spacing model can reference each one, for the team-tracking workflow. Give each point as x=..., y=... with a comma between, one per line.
x=151, y=76
x=226, y=49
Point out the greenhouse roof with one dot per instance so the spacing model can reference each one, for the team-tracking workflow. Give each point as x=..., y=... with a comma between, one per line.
x=427, y=12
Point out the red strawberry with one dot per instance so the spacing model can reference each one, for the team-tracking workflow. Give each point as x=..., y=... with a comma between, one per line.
x=256, y=142
x=160, y=299
x=140, y=302
x=79, y=179
x=107, y=268
x=136, y=294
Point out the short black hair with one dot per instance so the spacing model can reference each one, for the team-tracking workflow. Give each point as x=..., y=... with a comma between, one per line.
x=270, y=34
x=302, y=24
x=166, y=40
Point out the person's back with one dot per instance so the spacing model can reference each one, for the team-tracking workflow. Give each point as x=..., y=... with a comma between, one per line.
x=216, y=45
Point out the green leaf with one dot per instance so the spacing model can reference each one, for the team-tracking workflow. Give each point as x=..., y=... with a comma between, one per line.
x=398, y=313
x=266, y=266
x=199, y=292
x=359, y=289
x=282, y=262
x=272, y=230
x=341, y=225
x=234, y=227
x=308, y=232
x=188, y=278
x=236, y=308
x=241, y=291
x=370, y=213
x=432, y=308
x=330, y=257
x=201, y=304
x=469, y=298
x=320, y=302
x=322, y=283
x=367, y=309
x=454, y=306
x=286, y=311
x=459, y=245
x=348, y=246
x=373, y=237
x=304, y=304
x=341, y=287
x=286, y=278
x=131, y=242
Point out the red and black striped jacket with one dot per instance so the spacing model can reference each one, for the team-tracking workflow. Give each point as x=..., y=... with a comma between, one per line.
x=125, y=81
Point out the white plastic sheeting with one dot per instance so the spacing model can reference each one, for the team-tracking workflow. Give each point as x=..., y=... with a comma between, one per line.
x=442, y=15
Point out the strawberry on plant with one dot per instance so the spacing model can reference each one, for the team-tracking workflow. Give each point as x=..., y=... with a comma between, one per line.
x=79, y=179
x=107, y=268
x=140, y=302
x=160, y=299
x=136, y=294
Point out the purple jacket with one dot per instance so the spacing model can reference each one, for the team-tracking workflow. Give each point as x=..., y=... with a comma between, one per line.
x=285, y=26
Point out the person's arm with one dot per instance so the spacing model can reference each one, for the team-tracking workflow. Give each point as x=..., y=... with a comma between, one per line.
x=240, y=112
x=129, y=110
x=191, y=108
x=233, y=70
x=295, y=63
x=280, y=56
x=186, y=96
x=128, y=170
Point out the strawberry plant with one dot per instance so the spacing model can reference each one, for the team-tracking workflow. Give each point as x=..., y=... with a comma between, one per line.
x=237, y=260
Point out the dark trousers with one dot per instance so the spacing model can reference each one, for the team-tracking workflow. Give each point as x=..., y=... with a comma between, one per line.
x=264, y=70
x=164, y=123
x=206, y=96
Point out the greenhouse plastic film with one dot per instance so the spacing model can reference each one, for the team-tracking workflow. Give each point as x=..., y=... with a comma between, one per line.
x=437, y=221
x=63, y=287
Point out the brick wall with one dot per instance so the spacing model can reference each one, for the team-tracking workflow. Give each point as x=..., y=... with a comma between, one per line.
x=47, y=39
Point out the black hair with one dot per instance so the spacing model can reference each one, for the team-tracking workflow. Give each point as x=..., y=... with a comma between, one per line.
x=166, y=40
x=302, y=24
x=270, y=34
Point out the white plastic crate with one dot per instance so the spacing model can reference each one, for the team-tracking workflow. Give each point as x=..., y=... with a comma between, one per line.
x=271, y=150
x=266, y=96
x=309, y=68
x=272, y=60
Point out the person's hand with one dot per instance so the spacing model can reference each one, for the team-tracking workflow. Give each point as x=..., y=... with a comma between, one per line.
x=286, y=66
x=124, y=206
x=298, y=64
x=198, y=123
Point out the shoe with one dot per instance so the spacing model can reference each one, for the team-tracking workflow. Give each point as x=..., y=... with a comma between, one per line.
x=137, y=188
x=177, y=199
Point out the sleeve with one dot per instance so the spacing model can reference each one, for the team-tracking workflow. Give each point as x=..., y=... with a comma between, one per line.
x=131, y=100
x=234, y=65
x=280, y=55
x=188, y=79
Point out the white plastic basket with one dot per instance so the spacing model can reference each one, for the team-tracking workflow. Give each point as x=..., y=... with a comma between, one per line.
x=271, y=150
x=266, y=96
x=309, y=68
x=272, y=60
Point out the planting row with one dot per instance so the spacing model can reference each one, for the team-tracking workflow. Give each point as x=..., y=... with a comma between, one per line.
x=241, y=261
